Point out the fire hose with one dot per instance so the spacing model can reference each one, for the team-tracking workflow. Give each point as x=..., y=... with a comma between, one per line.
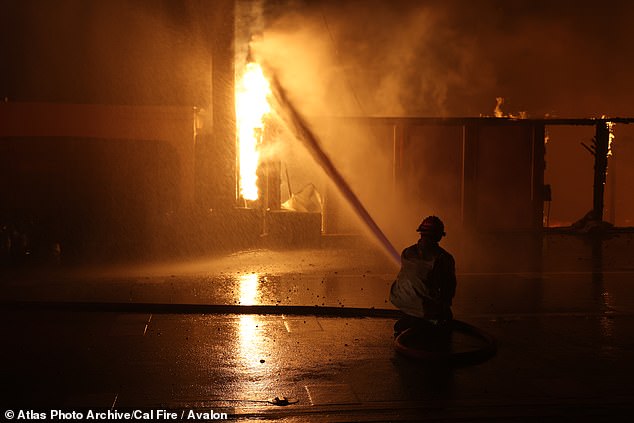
x=405, y=343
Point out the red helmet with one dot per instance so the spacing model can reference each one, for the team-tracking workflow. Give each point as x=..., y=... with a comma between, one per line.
x=432, y=226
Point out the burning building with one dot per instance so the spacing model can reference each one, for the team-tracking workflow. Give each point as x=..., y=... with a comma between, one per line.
x=152, y=127
x=120, y=135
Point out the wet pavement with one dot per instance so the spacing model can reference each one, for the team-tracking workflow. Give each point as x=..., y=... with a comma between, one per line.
x=231, y=333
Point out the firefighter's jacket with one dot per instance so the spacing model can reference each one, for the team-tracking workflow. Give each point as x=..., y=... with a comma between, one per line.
x=425, y=288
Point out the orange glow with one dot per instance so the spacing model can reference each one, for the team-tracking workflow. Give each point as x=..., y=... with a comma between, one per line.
x=251, y=348
x=611, y=137
x=497, y=112
x=249, y=289
x=251, y=108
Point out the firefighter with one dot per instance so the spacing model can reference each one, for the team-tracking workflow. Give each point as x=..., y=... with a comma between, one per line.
x=426, y=283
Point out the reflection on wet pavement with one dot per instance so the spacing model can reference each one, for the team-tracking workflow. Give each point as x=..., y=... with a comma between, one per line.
x=564, y=340
x=249, y=289
x=477, y=294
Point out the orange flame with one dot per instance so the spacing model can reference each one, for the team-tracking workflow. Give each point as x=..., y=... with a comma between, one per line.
x=251, y=108
x=611, y=137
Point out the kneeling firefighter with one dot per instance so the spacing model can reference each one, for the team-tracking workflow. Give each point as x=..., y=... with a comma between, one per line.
x=426, y=283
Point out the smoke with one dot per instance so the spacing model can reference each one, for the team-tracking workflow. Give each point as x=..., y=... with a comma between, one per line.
x=402, y=59
x=337, y=60
x=371, y=59
x=449, y=58
x=453, y=58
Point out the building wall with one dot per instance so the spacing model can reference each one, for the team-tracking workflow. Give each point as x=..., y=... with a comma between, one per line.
x=98, y=115
x=483, y=177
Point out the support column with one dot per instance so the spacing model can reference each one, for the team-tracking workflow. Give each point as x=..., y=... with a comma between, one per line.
x=538, y=166
x=216, y=172
x=601, y=148
x=469, y=193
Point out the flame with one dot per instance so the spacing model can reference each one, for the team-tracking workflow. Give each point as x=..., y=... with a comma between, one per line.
x=610, y=126
x=251, y=108
x=497, y=112
x=611, y=137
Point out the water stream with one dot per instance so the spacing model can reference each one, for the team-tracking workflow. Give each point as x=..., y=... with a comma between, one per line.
x=295, y=121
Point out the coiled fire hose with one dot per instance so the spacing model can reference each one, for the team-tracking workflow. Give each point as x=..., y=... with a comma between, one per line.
x=408, y=342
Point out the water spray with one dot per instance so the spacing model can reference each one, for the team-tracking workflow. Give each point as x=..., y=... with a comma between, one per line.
x=296, y=122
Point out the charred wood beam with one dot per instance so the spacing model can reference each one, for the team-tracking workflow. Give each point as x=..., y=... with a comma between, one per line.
x=601, y=144
x=460, y=121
